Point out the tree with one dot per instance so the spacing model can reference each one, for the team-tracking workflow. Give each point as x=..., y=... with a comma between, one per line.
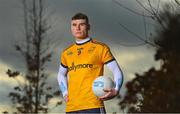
x=33, y=95
x=150, y=11
x=159, y=90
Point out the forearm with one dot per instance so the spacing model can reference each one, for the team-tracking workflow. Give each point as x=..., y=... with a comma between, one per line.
x=62, y=80
x=117, y=73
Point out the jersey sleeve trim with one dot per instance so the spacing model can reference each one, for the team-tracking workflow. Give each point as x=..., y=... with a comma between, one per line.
x=110, y=61
x=64, y=65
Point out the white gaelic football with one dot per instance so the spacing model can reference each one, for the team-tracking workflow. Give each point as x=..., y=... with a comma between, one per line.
x=100, y=83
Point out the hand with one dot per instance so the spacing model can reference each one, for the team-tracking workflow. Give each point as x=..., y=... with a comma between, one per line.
x=110, y=93
x=66, y=99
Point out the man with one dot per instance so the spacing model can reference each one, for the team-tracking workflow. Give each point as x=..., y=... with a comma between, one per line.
x=81, y=63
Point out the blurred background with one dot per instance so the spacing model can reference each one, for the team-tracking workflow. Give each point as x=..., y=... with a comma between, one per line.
x=143, y=36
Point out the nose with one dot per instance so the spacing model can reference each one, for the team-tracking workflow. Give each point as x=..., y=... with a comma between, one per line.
x=78, y=27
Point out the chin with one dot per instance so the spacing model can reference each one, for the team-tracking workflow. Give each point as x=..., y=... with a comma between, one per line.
x=78, y=37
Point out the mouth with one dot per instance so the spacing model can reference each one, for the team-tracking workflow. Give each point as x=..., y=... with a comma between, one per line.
x=78, y=32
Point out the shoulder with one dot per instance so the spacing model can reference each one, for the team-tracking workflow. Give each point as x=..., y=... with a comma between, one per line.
x=99, y=43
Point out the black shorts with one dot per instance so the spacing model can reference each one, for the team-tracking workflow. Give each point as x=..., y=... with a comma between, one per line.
x=93, y=110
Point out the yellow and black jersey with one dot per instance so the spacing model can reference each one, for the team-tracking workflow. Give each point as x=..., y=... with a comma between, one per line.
x=84, y=62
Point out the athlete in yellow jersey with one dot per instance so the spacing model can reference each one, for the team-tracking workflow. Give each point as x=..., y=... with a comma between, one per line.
x=81, y=63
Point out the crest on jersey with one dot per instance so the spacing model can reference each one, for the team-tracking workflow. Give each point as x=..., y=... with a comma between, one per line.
x=69, y=53
x=79, y=51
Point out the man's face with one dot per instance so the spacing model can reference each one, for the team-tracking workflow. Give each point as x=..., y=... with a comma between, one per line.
x=79, y=28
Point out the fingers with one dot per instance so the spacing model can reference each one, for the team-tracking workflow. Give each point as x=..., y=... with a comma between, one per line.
x=66, y=98
x=107, y=90
x=106, y=95
x=110, y=93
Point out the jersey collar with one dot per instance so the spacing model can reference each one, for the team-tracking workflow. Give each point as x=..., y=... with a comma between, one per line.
x=83, y=41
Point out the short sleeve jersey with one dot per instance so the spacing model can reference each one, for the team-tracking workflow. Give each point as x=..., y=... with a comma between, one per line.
x=84, y=62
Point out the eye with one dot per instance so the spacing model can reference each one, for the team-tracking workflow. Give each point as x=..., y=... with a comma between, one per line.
x=74, y=24
x=83, y=24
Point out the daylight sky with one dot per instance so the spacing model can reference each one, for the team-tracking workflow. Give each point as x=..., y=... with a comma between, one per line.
x=104, y=16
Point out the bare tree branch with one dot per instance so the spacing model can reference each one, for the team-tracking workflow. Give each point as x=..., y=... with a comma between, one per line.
x=145, y=31
x=136, y=35
x=149, y=11
x=134, y=12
